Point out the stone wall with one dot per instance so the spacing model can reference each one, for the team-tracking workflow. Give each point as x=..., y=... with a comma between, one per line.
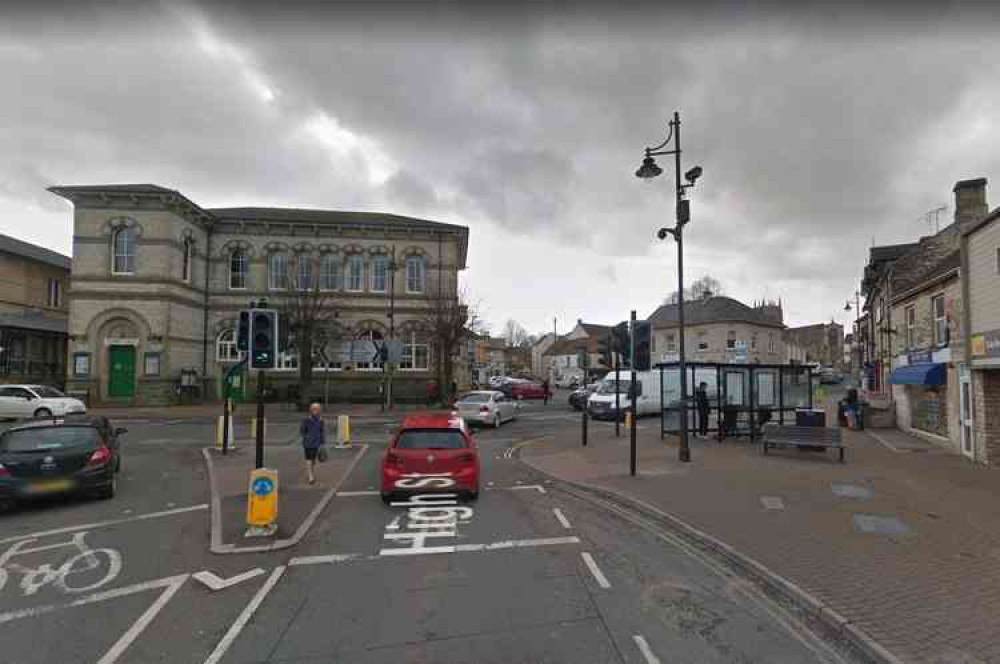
x=986, y=415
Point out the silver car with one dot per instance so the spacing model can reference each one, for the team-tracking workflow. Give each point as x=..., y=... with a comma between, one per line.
x=486, y=407
x=19, y=401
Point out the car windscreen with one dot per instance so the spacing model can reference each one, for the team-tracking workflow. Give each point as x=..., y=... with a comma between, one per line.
x=431, y=439
x=475, y=398
x=46, y=392
x=48, y=438
x=608, y=386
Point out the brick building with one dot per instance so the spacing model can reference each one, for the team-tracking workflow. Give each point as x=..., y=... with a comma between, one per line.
x=158, y=281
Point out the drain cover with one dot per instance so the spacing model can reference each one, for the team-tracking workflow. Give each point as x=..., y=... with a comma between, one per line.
x=880, y=525
x=851, y=491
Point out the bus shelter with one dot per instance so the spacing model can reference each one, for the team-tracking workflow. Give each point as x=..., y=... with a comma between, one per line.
x=742, y=397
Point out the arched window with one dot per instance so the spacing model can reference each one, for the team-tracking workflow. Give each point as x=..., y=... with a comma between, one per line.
x=123, y=247
x=186, y=264
x=370, y=335
x=225, y=347
x=380, y=274
x=355, y=274
x=330, y=275
x=416, y=275
x=238, y=267
x=277, y=276
x=416, y=351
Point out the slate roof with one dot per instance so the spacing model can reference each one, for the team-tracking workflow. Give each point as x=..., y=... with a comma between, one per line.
x=331, y=217
x=717, y=308
x=933, y=256
x=571, y=346
x=34, y=252
x=595, y=330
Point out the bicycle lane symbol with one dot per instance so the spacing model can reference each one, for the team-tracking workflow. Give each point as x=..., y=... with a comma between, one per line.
x=71, y=576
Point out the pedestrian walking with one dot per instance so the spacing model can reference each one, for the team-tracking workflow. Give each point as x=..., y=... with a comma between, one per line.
x=313, y=437
x=701, y=403
x=545, y=388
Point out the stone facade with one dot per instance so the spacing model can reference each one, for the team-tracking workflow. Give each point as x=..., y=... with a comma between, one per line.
x=823, y=342
x=986, y=422
x=171, y=309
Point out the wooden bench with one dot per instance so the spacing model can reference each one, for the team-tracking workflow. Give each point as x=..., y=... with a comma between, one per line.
x=775, y=435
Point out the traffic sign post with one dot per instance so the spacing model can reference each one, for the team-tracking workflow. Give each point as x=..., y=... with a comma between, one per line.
x=632, y=391
x=262, y=503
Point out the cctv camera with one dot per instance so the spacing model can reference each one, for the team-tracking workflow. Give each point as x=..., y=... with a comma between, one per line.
x=693, y=174
x=662, y=233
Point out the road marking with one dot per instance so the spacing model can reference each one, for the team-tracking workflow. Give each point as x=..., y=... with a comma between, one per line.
x=323, y=560
x=112, y=655
x=533, y=487
x=562, y=518
x=218, y=583
x=517, y=544
x=351, y=494
x=644, y=648
x=394, y=524
x=244, y=617
x=602, y=580
x=883, y=441
x=104, y=524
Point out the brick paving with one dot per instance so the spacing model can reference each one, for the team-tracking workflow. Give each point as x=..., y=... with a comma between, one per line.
x=931, y=596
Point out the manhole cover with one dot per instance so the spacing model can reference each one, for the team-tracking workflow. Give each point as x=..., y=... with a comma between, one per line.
x=880, y=525
x=851, y=491
x=772, y=503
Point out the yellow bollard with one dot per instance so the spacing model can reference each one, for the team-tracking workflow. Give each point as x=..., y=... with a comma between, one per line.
x=344, y=430
x=262, y=502
x=218, y=433
x=253, y=428
x=628, y=419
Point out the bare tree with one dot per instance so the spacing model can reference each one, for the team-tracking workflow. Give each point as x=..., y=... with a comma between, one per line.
x=309, y=314
x=448, y=321
x=514, y=333
x=697, y=289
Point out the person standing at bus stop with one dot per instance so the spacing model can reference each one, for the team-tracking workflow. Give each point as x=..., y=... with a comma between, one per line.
x=701, y=403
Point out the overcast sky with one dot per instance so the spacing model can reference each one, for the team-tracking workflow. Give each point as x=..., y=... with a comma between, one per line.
x=818, y=133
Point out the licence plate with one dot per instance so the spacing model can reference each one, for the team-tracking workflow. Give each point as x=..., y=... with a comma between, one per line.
x=50, y=486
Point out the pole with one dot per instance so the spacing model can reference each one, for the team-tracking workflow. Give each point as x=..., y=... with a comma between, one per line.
x=583, y=432
x=684, y=453
x=259, y=463
x=227, y=403
x=387, y=402
x=618, y=405
x=631, y=465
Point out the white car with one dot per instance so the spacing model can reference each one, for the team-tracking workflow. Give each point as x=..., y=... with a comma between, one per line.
x=18, y=401
x=486, y=407
x=497, y=381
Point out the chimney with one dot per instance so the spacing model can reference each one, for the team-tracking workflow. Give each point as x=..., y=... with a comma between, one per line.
x=706, y=294
x=970, y=200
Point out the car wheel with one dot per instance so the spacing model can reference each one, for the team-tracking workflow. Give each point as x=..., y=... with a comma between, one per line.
x=496, y=421
x=472, y=495
x=110, y=490
x=43, y=412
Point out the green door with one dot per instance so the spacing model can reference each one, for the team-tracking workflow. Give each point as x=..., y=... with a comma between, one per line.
x=234, y=388
x=121, y=374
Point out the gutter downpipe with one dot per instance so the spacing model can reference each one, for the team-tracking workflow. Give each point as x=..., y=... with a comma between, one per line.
x=966, y=335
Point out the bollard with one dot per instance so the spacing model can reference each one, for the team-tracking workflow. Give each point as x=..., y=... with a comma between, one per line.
x=219, y=428
x=344, y=430
x=253, y=427
x=262, y=503
x=628, y=419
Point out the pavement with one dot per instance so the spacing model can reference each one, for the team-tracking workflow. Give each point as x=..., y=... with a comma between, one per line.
x=244, y=410
x=530, y=572
x=902, y=541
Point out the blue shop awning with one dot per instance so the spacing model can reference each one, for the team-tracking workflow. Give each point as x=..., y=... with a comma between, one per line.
x=919, y=374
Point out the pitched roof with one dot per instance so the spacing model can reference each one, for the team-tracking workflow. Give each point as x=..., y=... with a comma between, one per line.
x=717, y=308
x=968, y=229
x=571, y=346
x=595, y=330
x=116, y=188
x=332, y=217
x=933, y=257
x=32, y=251
x=890, y=252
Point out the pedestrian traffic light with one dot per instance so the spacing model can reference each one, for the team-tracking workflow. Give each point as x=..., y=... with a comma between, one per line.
x=643, y=339
x=264, y=339
x=623, y=344
x=604, y=350
x=243, y=332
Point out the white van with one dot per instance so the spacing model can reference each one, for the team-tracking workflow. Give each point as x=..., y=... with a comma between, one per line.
x=601, y=404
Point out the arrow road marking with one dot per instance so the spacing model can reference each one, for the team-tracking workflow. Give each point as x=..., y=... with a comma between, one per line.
x=394, y=524
x=245, y=616
x=218, y=583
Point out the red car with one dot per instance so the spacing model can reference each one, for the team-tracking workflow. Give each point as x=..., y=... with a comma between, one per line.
x=432, y=452
x=525, y=389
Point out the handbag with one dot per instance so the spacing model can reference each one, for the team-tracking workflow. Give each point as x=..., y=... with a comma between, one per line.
x=321, y=455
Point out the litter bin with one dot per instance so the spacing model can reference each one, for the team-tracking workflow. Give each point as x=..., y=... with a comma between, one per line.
x=805, y=417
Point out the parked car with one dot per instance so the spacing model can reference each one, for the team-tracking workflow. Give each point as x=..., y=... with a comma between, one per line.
x=601, y=404
x=578, y=398
x=525, y=389
x=571, y=382
x=497, y=381
x=76, y=454
x=18, y=401
x=431, y=443
x=486, y=407
x=830, y=376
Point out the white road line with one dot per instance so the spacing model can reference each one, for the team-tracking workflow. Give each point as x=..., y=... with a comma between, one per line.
x=244, y=617
x=116, y=651
x=517, y=544
x=215, y=582
x=104, y=524
x=883, y=441
x=351, y=494
x=321, y=560
x=562, y=518
x=644, y=648
x=394, y=524
x=534, y=487
x=602, y=580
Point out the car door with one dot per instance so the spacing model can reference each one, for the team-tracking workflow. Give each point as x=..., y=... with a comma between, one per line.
x=505, y=406
x=8, y=402
x=23, y=402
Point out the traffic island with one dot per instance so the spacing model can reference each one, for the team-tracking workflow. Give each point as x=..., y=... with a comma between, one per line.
x=299, y=503
x=889, y=546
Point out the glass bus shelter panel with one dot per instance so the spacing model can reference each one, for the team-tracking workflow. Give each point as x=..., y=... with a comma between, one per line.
x=796, y=387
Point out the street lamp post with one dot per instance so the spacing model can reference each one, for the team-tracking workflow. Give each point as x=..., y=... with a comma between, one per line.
x=649, y=169
x=857, y=329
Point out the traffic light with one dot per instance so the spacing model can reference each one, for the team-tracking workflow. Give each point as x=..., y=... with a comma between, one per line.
x=623, y=344
x=604, y=350
x=643, y=338
x=264, y=339
x=243, y=333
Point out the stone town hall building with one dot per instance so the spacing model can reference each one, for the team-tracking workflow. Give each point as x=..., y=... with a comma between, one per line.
x=157, y=283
